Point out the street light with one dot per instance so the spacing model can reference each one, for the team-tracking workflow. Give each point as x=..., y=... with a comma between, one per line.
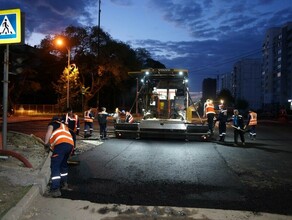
x=60, y=42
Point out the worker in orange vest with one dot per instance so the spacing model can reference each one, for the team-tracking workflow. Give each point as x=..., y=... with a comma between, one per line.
x=129, y=118
x=209, y=112
x=252, y=122
x=60, y=141
x=88, y=122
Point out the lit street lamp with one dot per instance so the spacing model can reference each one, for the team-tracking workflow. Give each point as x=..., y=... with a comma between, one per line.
x=60, y=43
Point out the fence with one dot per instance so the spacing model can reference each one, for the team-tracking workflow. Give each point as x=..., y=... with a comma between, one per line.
x=33, y=109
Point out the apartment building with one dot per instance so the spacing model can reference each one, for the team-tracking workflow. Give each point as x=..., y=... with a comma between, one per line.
x=246, y=81
x=277, y=67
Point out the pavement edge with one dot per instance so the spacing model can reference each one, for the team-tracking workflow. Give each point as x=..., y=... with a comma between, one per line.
x=39, y=187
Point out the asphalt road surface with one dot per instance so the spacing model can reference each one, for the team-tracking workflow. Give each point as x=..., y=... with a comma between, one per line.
x=256, y=177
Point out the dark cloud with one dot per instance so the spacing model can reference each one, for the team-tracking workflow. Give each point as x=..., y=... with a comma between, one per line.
x=221, y=31
x=225, y=34
x=49, y=17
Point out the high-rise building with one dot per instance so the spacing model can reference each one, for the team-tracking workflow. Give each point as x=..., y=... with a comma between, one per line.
x=209, y=88
x=277, y=67
x=224, y=81
x=246, y=81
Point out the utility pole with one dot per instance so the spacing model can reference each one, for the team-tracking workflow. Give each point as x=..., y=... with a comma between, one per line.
x=5, y=97
x=98, y=47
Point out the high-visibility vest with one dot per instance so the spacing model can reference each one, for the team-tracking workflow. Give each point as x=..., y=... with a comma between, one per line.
x=74, y=118
x=253, y=118
x=61, y=135
x=87, y=117
x=129, y=118
x=209, y=108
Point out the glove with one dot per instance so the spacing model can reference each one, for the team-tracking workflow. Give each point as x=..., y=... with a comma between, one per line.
x=238, y=128
x=77, y=132
x=47, y=147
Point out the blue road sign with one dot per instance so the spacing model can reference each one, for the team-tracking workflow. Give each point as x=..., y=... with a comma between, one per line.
x=10, y=26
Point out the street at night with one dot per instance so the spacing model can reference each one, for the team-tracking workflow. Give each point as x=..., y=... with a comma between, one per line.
x=256, y=177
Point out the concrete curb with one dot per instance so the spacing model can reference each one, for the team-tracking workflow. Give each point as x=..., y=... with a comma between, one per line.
x=39, y=187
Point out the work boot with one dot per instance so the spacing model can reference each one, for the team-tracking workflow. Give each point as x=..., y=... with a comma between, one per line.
x=66, y=187
x=52, y=193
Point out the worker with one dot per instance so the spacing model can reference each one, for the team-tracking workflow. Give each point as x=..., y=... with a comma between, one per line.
x=222, y=118
x=209, y=112
x=88, y=122
x=283, y=114
x=116, y=116
x=238, y=125
x=72, y=121
x=129, y=117
x=102, y=121
x=252, y=122
x=59, y=140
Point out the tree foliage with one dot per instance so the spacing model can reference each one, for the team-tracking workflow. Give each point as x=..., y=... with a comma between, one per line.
x=226, y=95
x=103, y=65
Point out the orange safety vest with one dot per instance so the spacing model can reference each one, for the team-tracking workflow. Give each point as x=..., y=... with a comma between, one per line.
x=61, y=135
x=253, y=118
x=72, y=119
x=87, y=118
x=209, y=108
x=129, y=118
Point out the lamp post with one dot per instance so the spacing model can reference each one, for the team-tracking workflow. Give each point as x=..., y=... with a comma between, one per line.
x=60, y=43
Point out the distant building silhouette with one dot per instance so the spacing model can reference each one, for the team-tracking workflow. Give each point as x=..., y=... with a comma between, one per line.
x=264, y=83
x=246, y=81
x=209, y=89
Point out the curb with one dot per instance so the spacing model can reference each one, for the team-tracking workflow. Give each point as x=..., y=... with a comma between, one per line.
x=39, y=187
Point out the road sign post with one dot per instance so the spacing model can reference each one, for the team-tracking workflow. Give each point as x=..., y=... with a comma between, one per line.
x=10, y=33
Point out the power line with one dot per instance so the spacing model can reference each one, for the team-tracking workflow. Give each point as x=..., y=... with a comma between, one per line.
x=229, y=60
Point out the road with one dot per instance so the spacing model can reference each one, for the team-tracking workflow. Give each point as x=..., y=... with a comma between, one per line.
x=256, y=177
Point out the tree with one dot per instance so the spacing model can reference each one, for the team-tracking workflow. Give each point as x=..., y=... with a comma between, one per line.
x=31, y=69
x=71, y=74
x=103, y=65
x=100, y=60
x=242, y=104
x=226, y=95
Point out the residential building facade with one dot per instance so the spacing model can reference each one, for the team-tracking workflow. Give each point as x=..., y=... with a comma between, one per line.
x=277, y=68
x=246, y=81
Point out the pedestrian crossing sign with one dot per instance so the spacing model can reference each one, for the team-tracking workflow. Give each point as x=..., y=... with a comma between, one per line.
x=10, y=26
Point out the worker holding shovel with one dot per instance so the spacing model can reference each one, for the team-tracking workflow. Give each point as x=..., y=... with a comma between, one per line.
x=238, y=125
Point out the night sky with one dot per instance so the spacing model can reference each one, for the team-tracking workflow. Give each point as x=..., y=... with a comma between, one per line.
x=204, y=36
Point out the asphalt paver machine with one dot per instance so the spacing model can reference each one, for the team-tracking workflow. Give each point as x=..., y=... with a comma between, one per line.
x=166, y=108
